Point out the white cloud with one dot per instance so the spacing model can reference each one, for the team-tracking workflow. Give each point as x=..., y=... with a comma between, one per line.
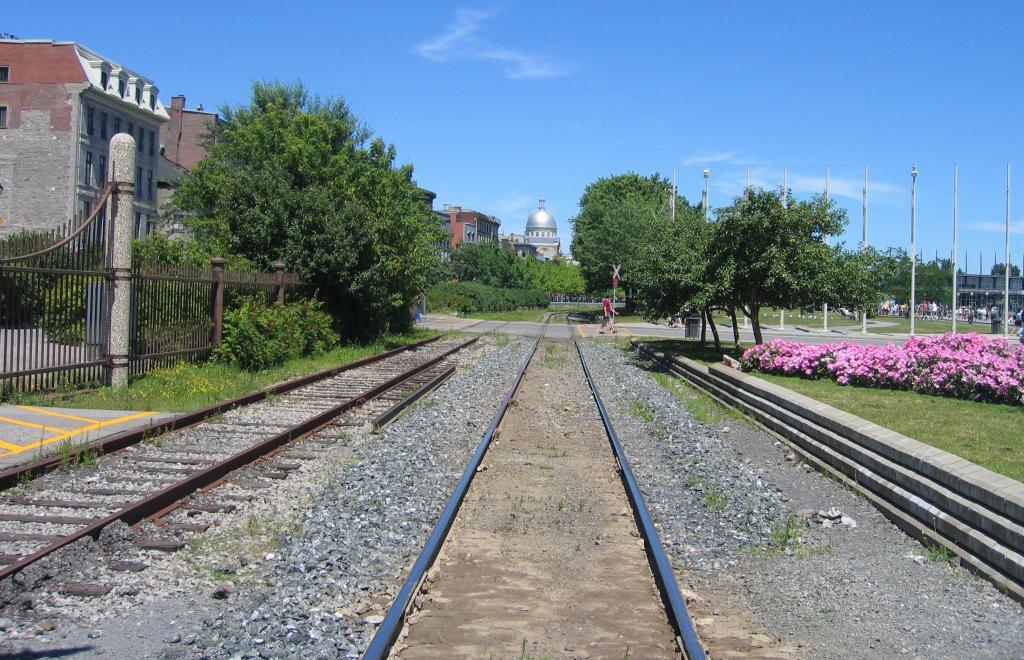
x=708, y=158
x=997, y=227
x=513, y=208
x=461, y=40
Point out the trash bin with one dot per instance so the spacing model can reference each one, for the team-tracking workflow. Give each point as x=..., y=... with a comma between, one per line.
x=692, y=327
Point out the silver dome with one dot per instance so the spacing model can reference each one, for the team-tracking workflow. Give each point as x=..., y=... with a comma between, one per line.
x=541, y=220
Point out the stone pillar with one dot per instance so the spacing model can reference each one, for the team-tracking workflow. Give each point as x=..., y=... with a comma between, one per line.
x=121, y=174
x=279, y=280
x=218, y=300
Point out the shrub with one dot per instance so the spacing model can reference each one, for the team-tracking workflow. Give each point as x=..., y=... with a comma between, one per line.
x=959, y=366
x=466, y=297
x=258, y=335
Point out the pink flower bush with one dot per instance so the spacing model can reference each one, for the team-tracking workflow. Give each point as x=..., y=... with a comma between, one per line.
x=962, y=366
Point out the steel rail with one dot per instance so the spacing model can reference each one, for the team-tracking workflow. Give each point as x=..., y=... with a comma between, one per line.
x=164, y=497
x=14, y=476
x=391, y=627
x=415, y=396
x=659, y=561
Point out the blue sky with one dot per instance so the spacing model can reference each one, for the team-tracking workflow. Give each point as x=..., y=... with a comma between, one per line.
x=498, y=104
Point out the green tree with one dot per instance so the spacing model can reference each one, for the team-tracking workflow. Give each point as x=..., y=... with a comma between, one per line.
x=770, y=254
x=605, y=232
x=488, y=263
x=297, y=178
x=1000, y=269
x=553, y=276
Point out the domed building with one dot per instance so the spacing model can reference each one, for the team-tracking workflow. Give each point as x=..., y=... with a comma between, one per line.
x=542, y=232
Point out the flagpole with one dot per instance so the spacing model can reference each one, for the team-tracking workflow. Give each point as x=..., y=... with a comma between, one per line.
x=956, y=173
x=824, y=306
x=864, y=317
x=785, y=204
x=1006, y=279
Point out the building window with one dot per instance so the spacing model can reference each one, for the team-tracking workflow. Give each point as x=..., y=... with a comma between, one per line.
x=3, y=116
x=138, y=180
x=86, y=209
x=5, y=74
x=117, y=125
x=89, y=116
x=104, y=80
x=149, y=185
x=87, y=179
x=103, y=125
x=152, y=100
x=152, y=143
x=138, y=94
x=122, y=87
x=142, y=134
x=101, y=174
x=131, y=129
x=138, y=225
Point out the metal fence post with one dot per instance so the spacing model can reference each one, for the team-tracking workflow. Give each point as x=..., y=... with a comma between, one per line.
x=279, y=280
x=122, y=218
x=218, y=300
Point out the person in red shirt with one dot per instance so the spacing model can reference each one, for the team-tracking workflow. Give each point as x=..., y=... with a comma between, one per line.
x=609, y=316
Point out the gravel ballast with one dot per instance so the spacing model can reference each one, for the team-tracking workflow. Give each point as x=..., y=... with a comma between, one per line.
x=742, y=521
x=332, y=582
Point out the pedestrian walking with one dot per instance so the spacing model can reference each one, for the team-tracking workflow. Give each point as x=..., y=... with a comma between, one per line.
x=609, y=316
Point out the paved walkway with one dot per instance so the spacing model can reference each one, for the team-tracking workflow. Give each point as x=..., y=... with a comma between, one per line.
x=810, y=332
x=30, y=432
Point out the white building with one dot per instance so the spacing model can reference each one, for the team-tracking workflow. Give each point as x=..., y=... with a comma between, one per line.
x=542, y=232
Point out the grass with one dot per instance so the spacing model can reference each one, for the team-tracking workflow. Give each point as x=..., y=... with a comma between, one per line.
x=186, y=387
x=641, y=411
x=703, y=407
x=694, y=350
x=983, y=433
x=554, y=357
x=715, y=499
x=532, y=315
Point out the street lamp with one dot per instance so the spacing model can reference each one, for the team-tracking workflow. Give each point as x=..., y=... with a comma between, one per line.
x=707, y=199
x=913, y=243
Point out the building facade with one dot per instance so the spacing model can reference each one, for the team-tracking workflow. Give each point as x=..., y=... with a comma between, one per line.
x=469, y=226
x=184, y=141
x=977, y=290
x=518, y=244
x=542, y=233
x=60, y=104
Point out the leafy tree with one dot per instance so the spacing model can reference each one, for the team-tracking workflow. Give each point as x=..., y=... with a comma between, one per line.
x=612, y=210
x=1000, y=269
x=768, y=253
x=488, y=263
x=296, y=178
x=553, y=276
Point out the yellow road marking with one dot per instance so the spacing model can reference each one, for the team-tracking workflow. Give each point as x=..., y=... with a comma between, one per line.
x=579, y=328
x=64, y=435
x=44, y=411
x=31, y=425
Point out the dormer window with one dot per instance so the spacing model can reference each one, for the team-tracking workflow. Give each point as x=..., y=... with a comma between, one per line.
x=138, y=94
x=104, y=80
x=122, y=87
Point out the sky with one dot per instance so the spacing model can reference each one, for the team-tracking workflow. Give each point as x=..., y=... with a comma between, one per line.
x=500, y=103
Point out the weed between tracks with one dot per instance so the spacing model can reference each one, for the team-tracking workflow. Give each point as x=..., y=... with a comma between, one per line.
x=715, y=499
x=641, y=411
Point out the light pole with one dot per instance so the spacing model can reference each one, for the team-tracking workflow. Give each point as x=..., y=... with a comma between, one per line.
x=913, y=243
x=824, y=306
x=864, y=314
x=956, y=173
x=1006, y=261
x=707, y=199
x=785, y=205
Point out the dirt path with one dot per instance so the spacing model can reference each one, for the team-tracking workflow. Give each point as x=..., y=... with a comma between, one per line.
x=545, y=559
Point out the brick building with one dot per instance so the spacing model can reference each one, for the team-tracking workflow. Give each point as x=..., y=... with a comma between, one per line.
x=469, y=226
x=60, y=103
x=184, y=141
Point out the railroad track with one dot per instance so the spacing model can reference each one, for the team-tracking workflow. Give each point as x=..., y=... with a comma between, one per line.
x=207, y=464
x=685, y=641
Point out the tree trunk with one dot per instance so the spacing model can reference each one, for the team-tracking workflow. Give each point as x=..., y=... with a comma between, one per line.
x=735, y=327
x=714, y=328
x=703, y=328
x=755, y=323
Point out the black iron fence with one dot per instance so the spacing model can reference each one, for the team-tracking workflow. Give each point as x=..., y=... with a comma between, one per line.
x=55, y=309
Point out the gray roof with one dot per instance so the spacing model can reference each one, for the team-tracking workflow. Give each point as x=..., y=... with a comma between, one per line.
x=541, y=219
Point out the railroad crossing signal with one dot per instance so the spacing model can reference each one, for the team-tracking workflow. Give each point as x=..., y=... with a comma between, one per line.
x=615, y=275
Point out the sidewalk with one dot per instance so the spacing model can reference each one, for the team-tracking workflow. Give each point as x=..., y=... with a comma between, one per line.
x=31, y=432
